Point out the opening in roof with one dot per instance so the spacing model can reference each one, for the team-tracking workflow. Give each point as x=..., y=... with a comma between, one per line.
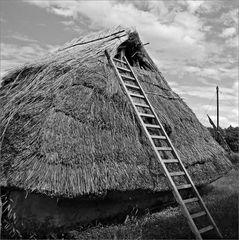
x=133, y=50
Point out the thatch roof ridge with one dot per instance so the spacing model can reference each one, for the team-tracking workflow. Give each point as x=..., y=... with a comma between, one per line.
x=94, y=37
x=68, y=129
x=98, y=36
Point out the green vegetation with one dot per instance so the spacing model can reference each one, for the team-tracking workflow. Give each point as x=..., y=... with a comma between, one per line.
x=234, y=158
x=221, y=197
x=231, y=135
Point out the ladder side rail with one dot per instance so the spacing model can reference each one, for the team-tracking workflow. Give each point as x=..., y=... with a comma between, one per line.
x=201, y=202
x=159, y=122
x=176, y=194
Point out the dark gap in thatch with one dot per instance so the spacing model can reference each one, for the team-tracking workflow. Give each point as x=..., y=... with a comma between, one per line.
x=134, y=52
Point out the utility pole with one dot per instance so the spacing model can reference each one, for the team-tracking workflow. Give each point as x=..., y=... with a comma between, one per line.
x=217, y=89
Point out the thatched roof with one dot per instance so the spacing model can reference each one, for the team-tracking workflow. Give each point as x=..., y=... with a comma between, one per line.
x=68, y=129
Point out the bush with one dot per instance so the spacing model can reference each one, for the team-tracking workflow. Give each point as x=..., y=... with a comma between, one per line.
x=231, y=136
x=234, y=158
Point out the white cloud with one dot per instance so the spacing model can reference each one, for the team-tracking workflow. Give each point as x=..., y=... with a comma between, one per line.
x=67, y=8
x=205, y=92
x=210, y=73
x=192, y=69
x=68, y=23
x=13, y=55
x=229, y=73
x=21, y=37
x=232, y=42
x=230, y=18
x=179, y=34
x=184, y=32
x=206, y=96
x=160, y=10
x=197, y=91
x=206, y=6
x=217, y=72
x=194, y=5
x=228, y=32
x=175, y=32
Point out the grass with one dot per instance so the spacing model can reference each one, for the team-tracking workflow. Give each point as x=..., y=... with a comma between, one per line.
x=221, y=198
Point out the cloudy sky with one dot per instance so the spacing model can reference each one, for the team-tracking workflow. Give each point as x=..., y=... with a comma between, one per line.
x=194, y=43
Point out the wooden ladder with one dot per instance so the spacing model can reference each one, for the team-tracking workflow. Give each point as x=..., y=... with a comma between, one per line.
x=144, y=110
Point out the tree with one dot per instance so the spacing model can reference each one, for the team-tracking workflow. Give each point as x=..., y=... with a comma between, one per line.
x=231, y=135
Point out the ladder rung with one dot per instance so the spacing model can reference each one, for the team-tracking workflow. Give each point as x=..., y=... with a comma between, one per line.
x=146, y=115
x=123, y=69
x=127, y=77
x=117, y=60
x=206, y=229
x=170, y=160
x=199, y=214
x=189, y=200
x=164, y=148
x=136, y=95
x=184, y=186
x=131, y=86
x=177, y=173
x=158, y=137
x=151, y=126
x=141, y=105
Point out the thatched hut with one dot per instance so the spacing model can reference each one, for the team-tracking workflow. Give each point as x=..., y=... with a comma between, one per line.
x=72, y=150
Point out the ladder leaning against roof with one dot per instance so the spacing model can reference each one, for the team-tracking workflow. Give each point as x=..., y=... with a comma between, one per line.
x=161, y=144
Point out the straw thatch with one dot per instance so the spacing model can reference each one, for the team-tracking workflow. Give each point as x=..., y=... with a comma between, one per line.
x=68, y=129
